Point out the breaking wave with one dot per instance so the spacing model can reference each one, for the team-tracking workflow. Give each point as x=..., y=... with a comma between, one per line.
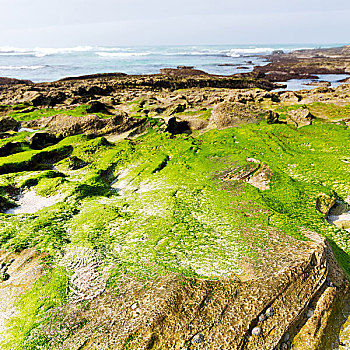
x=21, y=67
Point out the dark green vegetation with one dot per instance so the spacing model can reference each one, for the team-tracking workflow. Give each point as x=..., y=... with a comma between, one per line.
x=158, y=203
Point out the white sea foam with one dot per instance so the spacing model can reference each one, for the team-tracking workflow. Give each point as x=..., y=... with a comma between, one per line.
x=42, y=51
x=122, y=54
x=21, y=67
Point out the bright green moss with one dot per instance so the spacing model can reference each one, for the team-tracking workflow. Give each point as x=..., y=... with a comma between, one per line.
x=158, y=204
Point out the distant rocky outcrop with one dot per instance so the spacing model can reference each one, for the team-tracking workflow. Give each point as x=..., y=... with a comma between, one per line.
x=306, y=64
x=13, y=81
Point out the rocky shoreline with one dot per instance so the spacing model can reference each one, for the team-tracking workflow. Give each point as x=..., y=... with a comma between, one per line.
x=176, y=211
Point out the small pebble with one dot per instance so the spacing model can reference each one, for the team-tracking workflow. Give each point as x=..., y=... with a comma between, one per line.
x=284, y=346
x=269, y=312
x=198, y=338
x=134, y=306
x=330, y=284
x=262, y=318
x=309, y=313
x=256, y=331
x=286, y=337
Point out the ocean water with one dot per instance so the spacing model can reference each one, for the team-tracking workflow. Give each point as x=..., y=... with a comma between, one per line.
x=50, y=64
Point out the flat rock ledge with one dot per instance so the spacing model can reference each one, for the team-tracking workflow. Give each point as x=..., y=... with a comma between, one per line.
x=294, y=308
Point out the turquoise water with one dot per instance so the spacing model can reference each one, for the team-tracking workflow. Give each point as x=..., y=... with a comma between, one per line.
x=49, y=64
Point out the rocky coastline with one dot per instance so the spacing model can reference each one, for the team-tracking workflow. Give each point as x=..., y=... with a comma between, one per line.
x=176, y=211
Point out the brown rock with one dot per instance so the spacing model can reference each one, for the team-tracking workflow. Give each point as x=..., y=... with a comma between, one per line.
x=63, y=125
x=300, y=117
x=12, y=81
x=228, y=114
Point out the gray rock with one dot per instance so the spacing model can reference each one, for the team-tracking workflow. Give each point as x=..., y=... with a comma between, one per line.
x=262, y=318
x=309, y=313
x=198, y=338
x=284, y=346
x=256, y=331
x=269, y=312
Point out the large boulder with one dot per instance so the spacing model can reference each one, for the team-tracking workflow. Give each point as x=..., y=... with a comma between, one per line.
x=228, y=114
x=8, y=124
x=299, y=117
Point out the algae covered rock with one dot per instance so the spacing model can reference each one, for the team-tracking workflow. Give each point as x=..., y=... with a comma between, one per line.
x=325, y=202
x=227, y=114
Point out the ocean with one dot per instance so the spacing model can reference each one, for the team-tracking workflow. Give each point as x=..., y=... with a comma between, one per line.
x=50, y=64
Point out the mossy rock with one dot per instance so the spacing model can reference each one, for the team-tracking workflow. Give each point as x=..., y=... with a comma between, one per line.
x=227, y=114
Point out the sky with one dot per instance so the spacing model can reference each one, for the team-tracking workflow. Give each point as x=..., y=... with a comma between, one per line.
x=67, y=23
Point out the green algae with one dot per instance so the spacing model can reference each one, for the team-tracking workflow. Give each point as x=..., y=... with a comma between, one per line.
x=49, y=112
x=157, y=204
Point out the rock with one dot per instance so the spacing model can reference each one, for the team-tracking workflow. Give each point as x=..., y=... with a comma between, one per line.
x=286, y=337
x=261, y=178
x=97, y=107
x=198, y=338
x=182, y=71
x=227, y=114
x=262, y=318
x=13, y=81
x=284, y=346
x=319, y=83
x=42, y=139
x=63, y=125
x=309, y=313
x=5, y=204
x=4, y=276
x=75, y=163
x=10, y=148
x=270, y=312
x=272, y=117
x=256, y=331
x=47, y=99
x=299, y=117
x=290, y=96
x=176, y=108
x=325, y=202
x=175, y=126
x=8, y=124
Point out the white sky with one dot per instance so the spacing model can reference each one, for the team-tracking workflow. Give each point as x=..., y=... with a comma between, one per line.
x=64, y=23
